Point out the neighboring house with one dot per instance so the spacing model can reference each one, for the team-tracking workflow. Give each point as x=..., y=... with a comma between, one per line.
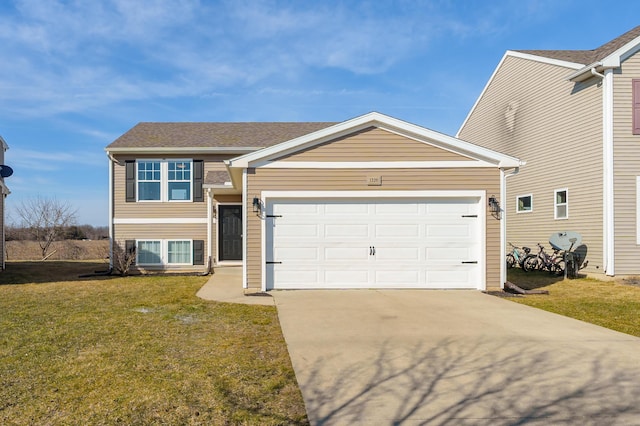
x=4, y=191
x=574, y=116
x=372, y=202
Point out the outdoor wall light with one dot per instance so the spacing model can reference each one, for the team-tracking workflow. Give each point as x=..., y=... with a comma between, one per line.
x=494, y=207
x=257, y=206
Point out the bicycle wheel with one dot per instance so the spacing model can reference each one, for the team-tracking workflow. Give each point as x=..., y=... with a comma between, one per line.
x=557, y=267
x=531, y=263
x=511, y=261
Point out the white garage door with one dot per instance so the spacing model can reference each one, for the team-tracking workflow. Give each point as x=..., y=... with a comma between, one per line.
x=365, y=243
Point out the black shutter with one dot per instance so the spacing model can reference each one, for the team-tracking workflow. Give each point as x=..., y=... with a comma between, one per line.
x=130, y=166
x=130, y=249
x=198, y=252
x=198, y=180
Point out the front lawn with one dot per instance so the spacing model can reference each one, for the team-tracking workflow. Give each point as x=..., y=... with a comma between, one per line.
x=136, y=350
x=605, y=303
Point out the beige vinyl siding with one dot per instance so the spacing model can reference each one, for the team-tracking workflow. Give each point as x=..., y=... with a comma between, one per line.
x=374, y=144
x=259, y=180
x=198, y=231
x=626, y=168
x=532, y=112
x=157, y=209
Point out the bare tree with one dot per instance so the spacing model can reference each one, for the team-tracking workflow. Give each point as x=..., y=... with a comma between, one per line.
x=123, y=258
x=46, y=219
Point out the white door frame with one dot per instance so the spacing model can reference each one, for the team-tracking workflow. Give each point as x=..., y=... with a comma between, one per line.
x=481, y=194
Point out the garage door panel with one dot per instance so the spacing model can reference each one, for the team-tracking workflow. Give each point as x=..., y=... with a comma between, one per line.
x=337, y=208
x=450, y=231
x=372, y=243
x=346, y=231
x=297, y=253
x=346, y=254
x=397, y=230
x=297, y=230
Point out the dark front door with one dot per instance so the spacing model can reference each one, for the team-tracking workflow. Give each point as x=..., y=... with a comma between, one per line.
x=230, y=232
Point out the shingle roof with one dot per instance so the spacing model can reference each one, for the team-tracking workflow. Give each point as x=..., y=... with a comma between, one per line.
x=205, y=135
x=586, y=57
x=217, y=178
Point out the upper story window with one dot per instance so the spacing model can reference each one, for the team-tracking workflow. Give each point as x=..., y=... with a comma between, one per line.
x=164, y=180
x=149, y=180
x=524, y=203
x=561, y=204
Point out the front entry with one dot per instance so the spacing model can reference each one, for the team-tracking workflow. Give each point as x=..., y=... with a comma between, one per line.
x=230, y=232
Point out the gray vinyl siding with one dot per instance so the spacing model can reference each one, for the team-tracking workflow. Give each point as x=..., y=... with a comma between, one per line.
x=556, y=128
x=626, y=169
x=487, y=179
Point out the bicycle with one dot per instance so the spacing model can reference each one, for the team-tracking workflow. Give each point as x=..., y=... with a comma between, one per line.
x=543, y=261
x=516, y=256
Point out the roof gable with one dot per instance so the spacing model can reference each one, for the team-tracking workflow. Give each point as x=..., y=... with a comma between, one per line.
x=374, y=120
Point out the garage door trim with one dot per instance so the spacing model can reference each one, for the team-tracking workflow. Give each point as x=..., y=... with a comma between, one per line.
x=268, y=196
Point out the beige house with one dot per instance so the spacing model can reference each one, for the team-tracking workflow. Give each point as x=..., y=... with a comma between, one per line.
x=574, y=116
x=372, y=202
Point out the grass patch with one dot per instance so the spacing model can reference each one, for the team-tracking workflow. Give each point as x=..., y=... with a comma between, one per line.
x=136, y=350
x=606, y=303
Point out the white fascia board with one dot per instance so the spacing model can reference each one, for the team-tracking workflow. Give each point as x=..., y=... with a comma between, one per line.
x=511, y=53
x=622, y=53
x=182, y=150
x=382, y=121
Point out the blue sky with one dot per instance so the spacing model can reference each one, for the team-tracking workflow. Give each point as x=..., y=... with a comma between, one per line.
x=75, y=75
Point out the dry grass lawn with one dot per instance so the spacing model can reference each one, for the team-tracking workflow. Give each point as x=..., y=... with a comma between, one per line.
x=610, y=304
x=136, y=350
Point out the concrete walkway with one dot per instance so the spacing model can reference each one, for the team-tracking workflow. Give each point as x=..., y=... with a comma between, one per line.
x=225, y=285
x=425, y=357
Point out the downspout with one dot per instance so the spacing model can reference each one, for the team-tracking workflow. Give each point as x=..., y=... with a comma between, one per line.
x=503, y=224
x=112, y=161
x=608, y=187
x=209, y=229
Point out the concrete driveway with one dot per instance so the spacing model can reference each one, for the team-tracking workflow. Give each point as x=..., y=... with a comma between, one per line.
x=405, y=357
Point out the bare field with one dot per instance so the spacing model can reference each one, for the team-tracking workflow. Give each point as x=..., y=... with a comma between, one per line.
x=64, y=250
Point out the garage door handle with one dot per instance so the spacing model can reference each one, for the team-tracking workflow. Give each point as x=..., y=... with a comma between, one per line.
x=372, y=251
x=470, y=261
x=270, y=262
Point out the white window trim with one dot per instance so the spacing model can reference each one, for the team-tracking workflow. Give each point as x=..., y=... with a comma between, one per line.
x=556, y=204
x=164, y=180
x=164, y=252
x=518, y=211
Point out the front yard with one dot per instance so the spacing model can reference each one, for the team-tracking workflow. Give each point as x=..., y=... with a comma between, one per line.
x=610, y=304
x=136, y=350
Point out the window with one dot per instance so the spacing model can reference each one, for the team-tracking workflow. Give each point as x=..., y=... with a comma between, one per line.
x=635, y=95
x=524, y=203
x=164, y=252
x=149, y=180
x=179, y=180
x=149, y=253
x=162, y=180
x=561, y=204
x=179, y=252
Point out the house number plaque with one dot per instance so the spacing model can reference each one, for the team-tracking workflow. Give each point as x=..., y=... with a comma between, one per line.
x=374, y=180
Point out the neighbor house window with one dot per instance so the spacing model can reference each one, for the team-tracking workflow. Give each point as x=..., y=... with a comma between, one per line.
x=149, y=252
x=163, y=180
x=524, y=203
x=561, y=204
x=149, y=184
x=635, y=118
